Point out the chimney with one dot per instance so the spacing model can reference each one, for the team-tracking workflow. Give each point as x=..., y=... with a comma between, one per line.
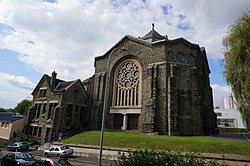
x=53, y=80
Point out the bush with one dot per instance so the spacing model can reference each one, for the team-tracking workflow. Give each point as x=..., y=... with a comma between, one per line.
x=233, y=130
x=161, y=158
x=18, y=137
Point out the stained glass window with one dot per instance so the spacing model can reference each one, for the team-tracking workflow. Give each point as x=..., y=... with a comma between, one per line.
x=127, y=84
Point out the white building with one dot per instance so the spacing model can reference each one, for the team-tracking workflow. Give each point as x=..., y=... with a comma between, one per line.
x=229, y=102
x=229, y=117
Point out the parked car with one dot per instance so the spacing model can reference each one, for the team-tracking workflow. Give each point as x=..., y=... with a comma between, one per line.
x=53, y=161
x=18, y=146
x=18, y=158
x=59, y=151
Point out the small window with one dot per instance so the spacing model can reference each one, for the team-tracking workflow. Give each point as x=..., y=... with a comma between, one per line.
x=218, y=114
x=42, y=92
x=5, y=124
x=76, y=92
x=180, y=57
x=44, y=108
x=38, y=111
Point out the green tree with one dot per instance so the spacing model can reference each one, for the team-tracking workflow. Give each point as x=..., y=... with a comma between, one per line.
x=237, y=64
x=2, y=110
x=23, y=107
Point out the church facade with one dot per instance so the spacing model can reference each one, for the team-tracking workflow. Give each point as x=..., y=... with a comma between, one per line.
x=149, y=84
x=155, y=85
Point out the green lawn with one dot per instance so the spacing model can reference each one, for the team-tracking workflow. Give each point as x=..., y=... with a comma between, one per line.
x=200, y=144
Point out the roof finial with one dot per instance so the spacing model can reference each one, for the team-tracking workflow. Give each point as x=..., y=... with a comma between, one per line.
x=153, y=26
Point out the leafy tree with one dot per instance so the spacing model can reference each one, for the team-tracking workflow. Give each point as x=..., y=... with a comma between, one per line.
x=7, y=110
x=237, y=64
x=23, y=107
x=2, y=110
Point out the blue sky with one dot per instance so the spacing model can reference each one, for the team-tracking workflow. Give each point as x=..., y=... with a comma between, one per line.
x=42, y=36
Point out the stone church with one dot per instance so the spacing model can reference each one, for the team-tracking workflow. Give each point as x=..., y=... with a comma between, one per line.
x=154, y=85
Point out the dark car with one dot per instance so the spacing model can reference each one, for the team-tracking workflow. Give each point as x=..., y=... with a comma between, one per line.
x=18, y=146
x=18, y=158
x=53, y=161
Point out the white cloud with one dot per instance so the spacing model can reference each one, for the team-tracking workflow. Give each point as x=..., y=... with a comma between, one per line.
x=66, y=36
x=13, y=88
x=210, y=20
x=50, y=35
x=219, y=93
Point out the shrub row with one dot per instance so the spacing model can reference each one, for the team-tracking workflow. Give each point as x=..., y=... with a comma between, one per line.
x=23, y=137
x=232, y=130
x=161, y=158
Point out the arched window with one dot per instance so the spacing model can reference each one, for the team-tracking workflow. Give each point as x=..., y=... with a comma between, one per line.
x=127, y=82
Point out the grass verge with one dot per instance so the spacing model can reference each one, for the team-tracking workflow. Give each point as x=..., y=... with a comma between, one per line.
x=198, y=144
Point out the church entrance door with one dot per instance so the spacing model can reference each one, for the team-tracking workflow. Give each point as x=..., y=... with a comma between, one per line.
x=133, y=121
x=118, y=119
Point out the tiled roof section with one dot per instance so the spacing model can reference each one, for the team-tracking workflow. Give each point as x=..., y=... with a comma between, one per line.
x=10, y=116
x=62, y=86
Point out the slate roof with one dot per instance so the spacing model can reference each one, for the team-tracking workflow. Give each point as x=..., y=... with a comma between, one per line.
x=61, y=86
x=10, y=116
x=153, y=34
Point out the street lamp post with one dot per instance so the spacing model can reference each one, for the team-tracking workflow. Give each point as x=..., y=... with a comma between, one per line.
x=105, y=103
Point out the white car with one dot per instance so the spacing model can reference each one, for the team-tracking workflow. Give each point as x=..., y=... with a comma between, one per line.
x=59, y=151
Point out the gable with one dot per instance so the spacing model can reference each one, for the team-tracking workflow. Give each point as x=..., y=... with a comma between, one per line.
x=184, y=52
x=184, y=42
x=76, y=85
x=75, y=93
x=45, y=82
x=123, y=40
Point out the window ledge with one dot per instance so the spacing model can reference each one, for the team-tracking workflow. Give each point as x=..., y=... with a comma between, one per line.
x=125, y=110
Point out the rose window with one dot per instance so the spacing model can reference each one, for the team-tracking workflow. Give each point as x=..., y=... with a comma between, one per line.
x=127, y=79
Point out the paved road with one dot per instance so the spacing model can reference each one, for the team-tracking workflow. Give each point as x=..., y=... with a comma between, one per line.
x=74, y=160
x=233, y=136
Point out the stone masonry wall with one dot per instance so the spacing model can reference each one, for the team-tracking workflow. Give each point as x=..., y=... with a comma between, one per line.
x=173, y=90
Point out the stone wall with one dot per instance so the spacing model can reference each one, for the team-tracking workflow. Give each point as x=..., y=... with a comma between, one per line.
x=176, y=96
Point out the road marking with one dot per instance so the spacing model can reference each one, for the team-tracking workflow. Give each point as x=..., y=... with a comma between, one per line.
x=246, y=137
